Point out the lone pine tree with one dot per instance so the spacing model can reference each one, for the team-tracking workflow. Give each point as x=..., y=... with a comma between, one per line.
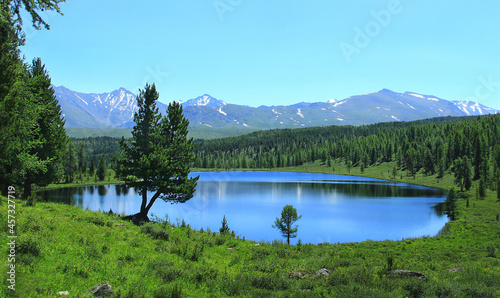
x=285, y=223
x=159, y=154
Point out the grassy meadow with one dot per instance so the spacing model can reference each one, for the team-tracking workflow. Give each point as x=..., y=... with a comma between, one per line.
x=65, y=248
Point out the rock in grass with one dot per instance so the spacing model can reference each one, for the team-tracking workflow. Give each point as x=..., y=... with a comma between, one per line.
x=409, y=273
x=102, y=289
x=299, y=274
x=322, y=272
x=63, y=293
x=456, y=269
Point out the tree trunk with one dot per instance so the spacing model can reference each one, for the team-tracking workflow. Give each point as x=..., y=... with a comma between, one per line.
x=151, y=202
x=144, y=200
x=143, y=214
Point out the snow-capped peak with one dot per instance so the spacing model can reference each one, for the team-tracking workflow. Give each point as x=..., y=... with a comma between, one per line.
x=205, y=100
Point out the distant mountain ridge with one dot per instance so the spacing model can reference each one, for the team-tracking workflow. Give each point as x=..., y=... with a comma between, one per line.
x=116, y=110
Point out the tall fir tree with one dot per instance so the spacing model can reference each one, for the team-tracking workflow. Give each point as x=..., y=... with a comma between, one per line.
x=31, y=139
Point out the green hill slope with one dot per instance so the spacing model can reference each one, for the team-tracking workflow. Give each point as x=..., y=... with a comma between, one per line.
x=64, y=248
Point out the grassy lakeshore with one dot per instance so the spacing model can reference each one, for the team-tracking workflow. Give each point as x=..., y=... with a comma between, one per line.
x=64, y=248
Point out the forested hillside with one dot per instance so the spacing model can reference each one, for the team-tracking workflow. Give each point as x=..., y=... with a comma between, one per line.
x=469, y=148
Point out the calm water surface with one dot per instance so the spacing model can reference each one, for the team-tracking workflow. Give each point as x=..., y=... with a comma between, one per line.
x=334, y=208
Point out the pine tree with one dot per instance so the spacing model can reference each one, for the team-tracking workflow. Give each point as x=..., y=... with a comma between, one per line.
x=285, y=223
x=81, y=161
x=101, y=170
x=482, y=189
x=463, y=173
x=159, y=153
x=70, y=163
x=92, y=167
x=450, y=204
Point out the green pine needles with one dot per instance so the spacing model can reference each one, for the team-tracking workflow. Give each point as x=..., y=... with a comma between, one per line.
x=285, y=223
x=158, y=154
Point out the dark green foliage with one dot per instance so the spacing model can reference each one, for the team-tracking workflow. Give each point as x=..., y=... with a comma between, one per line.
x=101, y=170
x=482, y=189
x=285, y=223
x=462, y=172
x=32, y=136
x=498, y=190
x=31, y=131
x=93, y=149
x=155, y=230
x=224, y=229
x=70, y=163
x=81, y=161
x=159, y=153
x=92, y=167
x=33, y=7
x=450, y=204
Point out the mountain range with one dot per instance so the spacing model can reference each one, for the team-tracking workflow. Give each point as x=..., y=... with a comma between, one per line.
x=206, y=113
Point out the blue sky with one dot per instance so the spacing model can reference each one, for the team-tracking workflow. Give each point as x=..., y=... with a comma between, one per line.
x=257, y=52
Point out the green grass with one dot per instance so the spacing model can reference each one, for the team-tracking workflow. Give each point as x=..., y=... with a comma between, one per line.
x=64, y=248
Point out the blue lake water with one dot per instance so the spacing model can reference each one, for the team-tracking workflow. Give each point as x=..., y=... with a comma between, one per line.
x=334, y=208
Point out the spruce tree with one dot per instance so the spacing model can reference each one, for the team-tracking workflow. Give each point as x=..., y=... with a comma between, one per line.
x=32, y=139
x=224, y=228
x=51, y=134
x=101, y=171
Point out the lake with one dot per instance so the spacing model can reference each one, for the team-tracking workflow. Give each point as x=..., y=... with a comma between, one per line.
x=334, y=208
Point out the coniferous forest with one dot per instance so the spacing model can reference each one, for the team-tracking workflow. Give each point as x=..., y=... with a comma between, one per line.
x=431, y=146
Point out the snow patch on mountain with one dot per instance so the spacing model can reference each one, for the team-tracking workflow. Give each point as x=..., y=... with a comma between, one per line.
x=82, y=99
x=416, y=95
x=220, y=111
x=339, y=103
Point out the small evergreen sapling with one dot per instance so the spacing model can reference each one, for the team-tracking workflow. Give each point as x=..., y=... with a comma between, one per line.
x=285, y=223
x=225, y=228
